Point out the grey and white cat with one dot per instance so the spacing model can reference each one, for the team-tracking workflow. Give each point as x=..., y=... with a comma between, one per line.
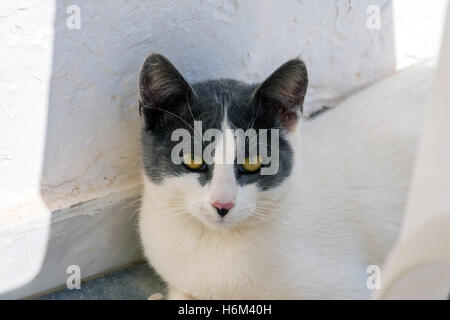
x=225, y=231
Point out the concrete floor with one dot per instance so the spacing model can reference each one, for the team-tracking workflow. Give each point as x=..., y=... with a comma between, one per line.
x=136, y=282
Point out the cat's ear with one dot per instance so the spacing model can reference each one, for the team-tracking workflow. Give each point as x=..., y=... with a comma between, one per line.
x=282, y=94
x=162, y=89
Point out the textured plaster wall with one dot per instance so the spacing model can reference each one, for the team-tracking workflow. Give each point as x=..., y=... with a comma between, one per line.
x=68, y=117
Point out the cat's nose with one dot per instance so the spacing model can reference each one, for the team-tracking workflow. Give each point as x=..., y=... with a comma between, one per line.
x=223, y=208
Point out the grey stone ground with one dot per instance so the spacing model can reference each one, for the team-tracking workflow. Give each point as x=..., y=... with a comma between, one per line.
x=136, y=282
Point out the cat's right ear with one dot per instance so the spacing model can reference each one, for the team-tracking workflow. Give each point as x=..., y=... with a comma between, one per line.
x=283, y=92
x=162, y=90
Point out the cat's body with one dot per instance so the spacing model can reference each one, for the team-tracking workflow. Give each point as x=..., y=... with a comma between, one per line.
x=337, y=210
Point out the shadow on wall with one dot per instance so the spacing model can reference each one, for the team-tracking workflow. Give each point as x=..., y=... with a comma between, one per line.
x=93, y=124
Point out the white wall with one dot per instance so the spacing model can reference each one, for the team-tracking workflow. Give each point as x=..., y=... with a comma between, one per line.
x=68, y=117
x=418, y=28
x=418, y=266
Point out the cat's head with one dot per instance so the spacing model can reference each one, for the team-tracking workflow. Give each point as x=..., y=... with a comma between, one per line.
x=194, y=152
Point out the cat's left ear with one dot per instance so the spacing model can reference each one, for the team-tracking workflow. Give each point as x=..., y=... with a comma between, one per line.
x=282, y=94
x=162, y=91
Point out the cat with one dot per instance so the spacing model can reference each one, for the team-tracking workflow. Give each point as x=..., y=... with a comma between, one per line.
x=309, y=231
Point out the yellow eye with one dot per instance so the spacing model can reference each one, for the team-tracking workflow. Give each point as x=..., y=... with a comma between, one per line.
x=251, y=165
x=192, y=161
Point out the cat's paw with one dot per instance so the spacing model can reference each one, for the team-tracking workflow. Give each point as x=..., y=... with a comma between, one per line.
x=156, y=296
x=175, y=294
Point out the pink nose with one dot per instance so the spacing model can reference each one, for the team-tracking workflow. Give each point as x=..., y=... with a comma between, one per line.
x=220, y=205
x=223, y=208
